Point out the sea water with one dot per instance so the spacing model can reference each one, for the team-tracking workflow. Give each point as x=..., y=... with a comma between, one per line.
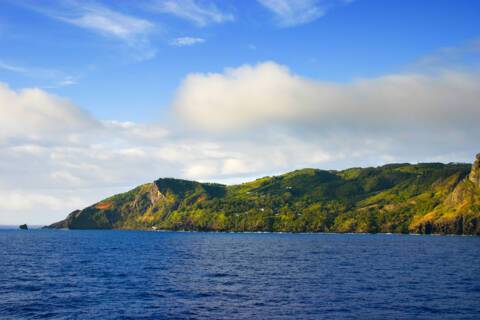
x=177, y=275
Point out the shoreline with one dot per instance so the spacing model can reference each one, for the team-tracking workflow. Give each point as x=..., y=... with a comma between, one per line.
x=37, y=228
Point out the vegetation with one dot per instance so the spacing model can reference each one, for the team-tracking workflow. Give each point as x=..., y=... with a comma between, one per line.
x=397, y=198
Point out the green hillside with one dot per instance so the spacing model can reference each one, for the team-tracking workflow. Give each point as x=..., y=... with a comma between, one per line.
x=398, y=198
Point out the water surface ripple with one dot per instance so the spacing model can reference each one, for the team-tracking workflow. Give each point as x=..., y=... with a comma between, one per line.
x=166, y=275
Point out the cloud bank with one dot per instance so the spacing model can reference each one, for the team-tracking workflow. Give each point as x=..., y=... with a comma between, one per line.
x=242, y=123
x=268, y=93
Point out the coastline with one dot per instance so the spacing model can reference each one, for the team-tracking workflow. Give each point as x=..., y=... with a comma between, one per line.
x=41, y=228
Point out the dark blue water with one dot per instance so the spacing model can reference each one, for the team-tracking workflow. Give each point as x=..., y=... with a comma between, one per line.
x=126, y=274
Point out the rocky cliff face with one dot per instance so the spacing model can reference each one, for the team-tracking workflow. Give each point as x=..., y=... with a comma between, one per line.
x=459, y=212
x=475, y=173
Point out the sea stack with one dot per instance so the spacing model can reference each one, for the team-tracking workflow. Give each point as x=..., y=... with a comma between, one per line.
x=475, y=173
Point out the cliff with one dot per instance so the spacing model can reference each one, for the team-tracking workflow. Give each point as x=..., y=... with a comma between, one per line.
x=474, y=176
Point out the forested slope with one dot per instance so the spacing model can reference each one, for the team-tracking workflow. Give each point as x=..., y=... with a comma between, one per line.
x=399, y=198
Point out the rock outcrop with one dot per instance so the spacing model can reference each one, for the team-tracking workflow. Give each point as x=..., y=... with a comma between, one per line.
x=67, y=222
x=459, y=212
x=475, y=173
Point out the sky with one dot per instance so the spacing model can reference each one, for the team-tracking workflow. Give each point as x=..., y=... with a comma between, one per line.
x=97, y=97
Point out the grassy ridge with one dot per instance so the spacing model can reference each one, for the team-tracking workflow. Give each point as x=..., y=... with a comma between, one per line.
x=398, y=198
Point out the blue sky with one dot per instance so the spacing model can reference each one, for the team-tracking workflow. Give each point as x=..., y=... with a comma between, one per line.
x=116, y=79
x=97, y=97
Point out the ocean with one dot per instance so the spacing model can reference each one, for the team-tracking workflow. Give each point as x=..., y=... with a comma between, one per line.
x=56, y=274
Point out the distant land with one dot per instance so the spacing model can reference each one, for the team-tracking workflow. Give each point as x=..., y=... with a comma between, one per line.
x=426, y=198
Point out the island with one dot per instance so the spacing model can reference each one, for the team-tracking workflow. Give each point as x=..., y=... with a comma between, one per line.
x=423, y=198
x=23, y=227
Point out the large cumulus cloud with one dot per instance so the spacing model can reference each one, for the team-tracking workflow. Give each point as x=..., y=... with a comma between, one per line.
x=33, y=114
x=267, y=94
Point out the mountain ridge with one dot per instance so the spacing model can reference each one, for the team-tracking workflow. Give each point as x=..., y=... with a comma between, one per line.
x=395, y=198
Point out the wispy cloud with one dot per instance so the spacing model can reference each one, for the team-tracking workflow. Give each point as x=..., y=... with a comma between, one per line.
x=187, y=41
x=132, y=31
x=63, y=82
x=12, y=68
x=465, y=56
x=108, y=22
x=289, y=13
x=49, y=78
x=200, y=13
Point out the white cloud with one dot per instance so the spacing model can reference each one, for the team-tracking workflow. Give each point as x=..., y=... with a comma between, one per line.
x=61, y=159
x=135, y=131
x=187, y=41
x=269, y=94
x=38, y=207
x=33, y=113
x=15, y=200
x=201, y=170
x=271, y=120
x=235, y=166
x=290, y=13
x=200, y=13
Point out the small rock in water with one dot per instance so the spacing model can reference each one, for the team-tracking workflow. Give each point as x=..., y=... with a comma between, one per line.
x=23, y=227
